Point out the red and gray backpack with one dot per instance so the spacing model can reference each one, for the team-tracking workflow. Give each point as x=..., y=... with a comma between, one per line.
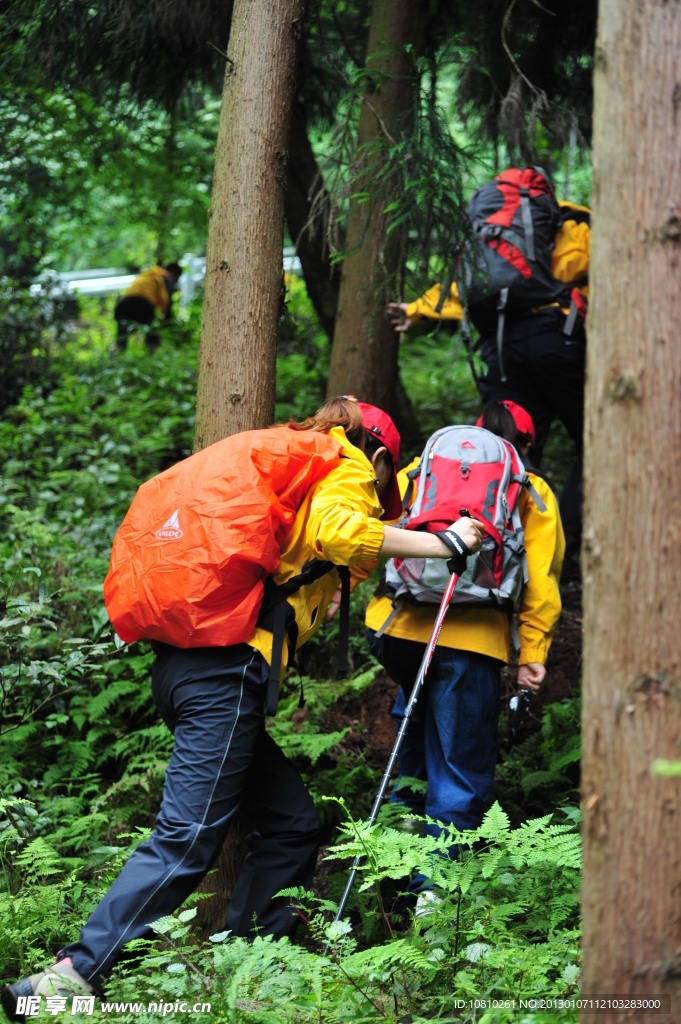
x=464, y=467
x=505, y=271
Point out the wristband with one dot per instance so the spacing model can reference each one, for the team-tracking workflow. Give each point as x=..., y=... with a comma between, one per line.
x=460, y=551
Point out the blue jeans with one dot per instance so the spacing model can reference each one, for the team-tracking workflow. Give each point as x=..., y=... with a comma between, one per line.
x=212, y=700
x=451, y=741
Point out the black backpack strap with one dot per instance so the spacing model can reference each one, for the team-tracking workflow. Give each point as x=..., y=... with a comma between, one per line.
x=409, y=493
x=466, y=340
x=277, y=616
x=501, y=319
x=278, y=630
x=344, y=623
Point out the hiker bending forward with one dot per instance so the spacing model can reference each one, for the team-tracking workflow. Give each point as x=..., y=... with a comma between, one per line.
x=213, y=696
x=451, y=741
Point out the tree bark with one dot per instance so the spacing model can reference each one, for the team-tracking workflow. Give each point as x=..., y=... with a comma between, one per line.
x=244, y=275
x=321, y=279
x=365, y=346
x=631, y=551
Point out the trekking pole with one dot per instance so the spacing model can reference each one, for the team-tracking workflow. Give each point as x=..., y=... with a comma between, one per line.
x=420, y=679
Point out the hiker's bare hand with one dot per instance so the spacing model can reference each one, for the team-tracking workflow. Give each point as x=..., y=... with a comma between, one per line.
x=397, y=312
x=335, y=604
x=531, y=677
x=471, y=532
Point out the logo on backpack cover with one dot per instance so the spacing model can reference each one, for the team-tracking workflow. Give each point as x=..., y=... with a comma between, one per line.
x=170, y=530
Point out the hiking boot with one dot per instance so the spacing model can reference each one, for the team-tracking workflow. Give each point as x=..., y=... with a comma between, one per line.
x=426, y=904
x=60, y=980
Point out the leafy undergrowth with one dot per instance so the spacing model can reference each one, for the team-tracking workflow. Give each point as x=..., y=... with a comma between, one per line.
x=83, y=754
x=505, y=926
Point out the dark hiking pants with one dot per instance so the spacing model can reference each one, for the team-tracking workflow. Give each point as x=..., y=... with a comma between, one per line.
x=212, y=699
x=545, y=371
x=131, y=310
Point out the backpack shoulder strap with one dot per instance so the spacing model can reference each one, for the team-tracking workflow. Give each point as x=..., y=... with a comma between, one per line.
x=412, y=475
x=525, y=482
x=277, y=616
x=398, y=604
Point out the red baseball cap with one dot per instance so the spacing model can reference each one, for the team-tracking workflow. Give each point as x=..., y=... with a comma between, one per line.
x=521, y=418
x=377, y=422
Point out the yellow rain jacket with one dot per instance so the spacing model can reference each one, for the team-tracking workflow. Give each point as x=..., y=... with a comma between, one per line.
x=151, y=285
x=338, y=521
x=569, y=263
x=486, y=630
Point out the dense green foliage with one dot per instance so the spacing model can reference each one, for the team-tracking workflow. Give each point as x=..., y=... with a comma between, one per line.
x=82, y=753
x=83, y=185
x=506, y=925
x=110, y=119
x=110, y=114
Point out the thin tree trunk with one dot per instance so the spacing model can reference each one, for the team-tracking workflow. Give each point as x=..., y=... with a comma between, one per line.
x=364, y=356
x=631, y=555
x=244, y=276
x=321, y=279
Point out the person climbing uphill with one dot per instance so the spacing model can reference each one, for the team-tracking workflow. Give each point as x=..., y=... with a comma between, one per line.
x=451, y=741
x=208, y=556
x=151, y=291
x=534, y=348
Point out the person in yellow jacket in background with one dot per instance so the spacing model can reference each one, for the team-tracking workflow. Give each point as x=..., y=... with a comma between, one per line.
x=544, y=368
x=213, y=700
x=451, y=741
x=151, y=291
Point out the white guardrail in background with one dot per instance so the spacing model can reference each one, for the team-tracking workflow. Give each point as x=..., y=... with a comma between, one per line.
x=110, y=281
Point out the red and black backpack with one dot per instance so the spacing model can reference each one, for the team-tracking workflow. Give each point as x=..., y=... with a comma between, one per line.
x=505, y=270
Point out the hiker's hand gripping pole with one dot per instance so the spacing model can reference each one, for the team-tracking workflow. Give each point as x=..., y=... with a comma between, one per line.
x=420, y=679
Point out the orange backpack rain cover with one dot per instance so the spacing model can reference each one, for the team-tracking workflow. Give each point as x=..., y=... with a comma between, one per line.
x=189, y=561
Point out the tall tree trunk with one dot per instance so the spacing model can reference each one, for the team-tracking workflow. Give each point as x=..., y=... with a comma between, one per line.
x=244, y=277
x=321, y=279
x=364, y=356
x=244, y=274
x=632, y=555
